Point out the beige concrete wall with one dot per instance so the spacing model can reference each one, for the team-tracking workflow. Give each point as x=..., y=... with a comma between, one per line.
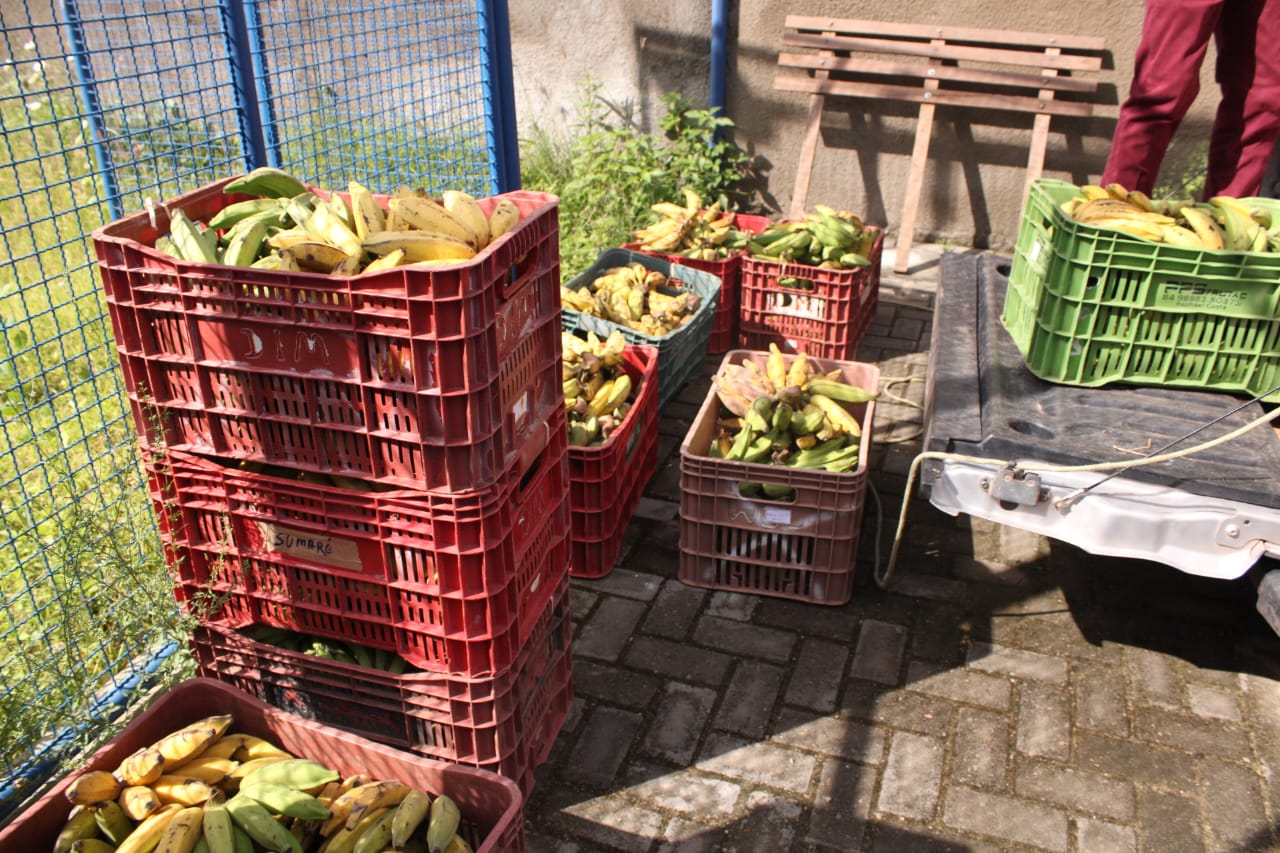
x=974, y=180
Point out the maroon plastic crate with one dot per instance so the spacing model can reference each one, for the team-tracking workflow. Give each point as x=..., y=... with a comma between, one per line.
x=505, y=723
x=825, y=317
x=803, y=548
x=606, y=481
x=429, y=377
x=724, y=324
x=452, y=583
x=491, y=805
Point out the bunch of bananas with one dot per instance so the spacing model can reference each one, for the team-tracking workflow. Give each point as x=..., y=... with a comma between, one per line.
x=786, y=414
x=203, y=787
x=346, y=652
x=691, y=231
x=598, y=393
x=1222, y=222
x=286, y=226
x=826, y=238
x=636, y=297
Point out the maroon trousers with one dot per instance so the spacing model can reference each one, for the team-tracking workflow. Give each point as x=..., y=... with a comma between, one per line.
x=1166, y=80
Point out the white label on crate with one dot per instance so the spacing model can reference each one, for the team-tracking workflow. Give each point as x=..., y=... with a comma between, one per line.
x=797, y=305
x=776, y=515
x=309, y=545
x=1036, y=248
x=520, y=411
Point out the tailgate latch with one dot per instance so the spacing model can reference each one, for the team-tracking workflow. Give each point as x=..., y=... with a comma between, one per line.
x=1013, y=486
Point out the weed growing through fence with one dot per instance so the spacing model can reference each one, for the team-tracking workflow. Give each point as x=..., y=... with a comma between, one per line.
x=607, y=170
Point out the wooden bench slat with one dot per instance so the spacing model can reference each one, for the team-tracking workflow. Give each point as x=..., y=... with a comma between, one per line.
x=906, y=68
x=857, y=26
x=1025, y=58
x=948, y=97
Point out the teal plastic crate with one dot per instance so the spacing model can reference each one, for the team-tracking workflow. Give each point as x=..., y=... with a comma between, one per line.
x=680, y=352
x=1090, y=306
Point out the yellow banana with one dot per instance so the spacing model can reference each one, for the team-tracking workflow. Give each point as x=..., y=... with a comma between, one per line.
x=409, y=814
x=836, y=415
x=1178, y=235
x=139, y=802
x=442, y=825
x=366, y=214
x=1205, y=227
x=314, y=256
x=147, y=834
x=464, y=207
x=775, y=367
x=427, y=214
x=503, y=218
x=385, y=794
x=142, y=767
x=325, y=226
x=418, y=246
x=190, y=740
x=181, y=790
x=93, y=786
x=182, y=831
x=388, y=261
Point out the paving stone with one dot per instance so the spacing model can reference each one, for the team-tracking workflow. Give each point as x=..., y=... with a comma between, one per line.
x=1234, y=806
x=912, y=776
x=1044, y=722
x=1006, y=817
x=1078, y=790
x=687, y=836
x=986, y=571
x=901, y=708
x=841, y=805
x=1019, y=663
x=846, y=738
x=603, y=745
x=615, y=823
x=674, y=660
x=1138, y=762
x=974, y=688
x=1168, y=822
x=1100, y=700
x=679, y=721
x=1192, y=734
x=674, y=611
x=878, y=654
x=888, y=836
x=1155, y=678
x=614, y=684
x=1204, y=701
x=733, y=605
x=744, y=638
x=940, y=632
x=656, y=510
x=640, y=586
x=695, y=795
x=1100, y=836
x=928, y=587
x=609, y=629
x=771, y=824
x=980, y=753
x=816, y=676
x=581, y=601
x=748, y=701
x=759, y=763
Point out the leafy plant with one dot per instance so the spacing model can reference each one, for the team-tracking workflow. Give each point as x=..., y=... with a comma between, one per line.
x=608, y=170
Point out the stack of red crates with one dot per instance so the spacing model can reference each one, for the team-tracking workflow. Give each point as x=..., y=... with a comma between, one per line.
x=380, y=460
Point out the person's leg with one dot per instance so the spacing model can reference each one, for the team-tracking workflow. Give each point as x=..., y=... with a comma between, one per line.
x=1248, y=118
x=1166, y=80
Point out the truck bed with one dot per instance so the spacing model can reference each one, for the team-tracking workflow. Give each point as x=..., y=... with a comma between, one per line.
x=1213, y=513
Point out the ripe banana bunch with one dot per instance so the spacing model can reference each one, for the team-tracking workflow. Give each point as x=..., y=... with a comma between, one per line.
x=235, y=791
x=598, y=393
x=284, y=225
x=691, y=231
x=786, y=414
x=1222, y=222
x=356, y=654
x=635, y=297
x=825, y=238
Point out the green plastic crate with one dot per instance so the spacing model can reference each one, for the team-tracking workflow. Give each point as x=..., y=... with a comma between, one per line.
x=680, y=352
x=1089, y=306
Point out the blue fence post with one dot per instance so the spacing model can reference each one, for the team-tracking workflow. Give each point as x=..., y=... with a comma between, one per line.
x=242, y=48
x=92, y=106
x=500, y=105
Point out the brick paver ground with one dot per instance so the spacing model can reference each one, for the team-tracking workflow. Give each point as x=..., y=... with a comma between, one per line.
x=1007, y=693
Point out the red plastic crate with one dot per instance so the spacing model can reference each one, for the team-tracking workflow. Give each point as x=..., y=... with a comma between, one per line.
x=724, y=324
x=606, y=481
x=803, y=548
x=827, y=320
x=452, y=583
x=491, y=805
x=428, y=377
x=505, y=723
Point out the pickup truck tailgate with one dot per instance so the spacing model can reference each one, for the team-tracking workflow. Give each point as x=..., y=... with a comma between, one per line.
x=1213, y=513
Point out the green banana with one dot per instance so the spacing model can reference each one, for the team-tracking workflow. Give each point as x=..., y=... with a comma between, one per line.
x=302, y=774
x=259, y=825
x=266, y=181
x=412, y=811
x=192, y=242
x=245, y=241
x=238, y=210
x=837, y=390
x=760, y=416
x=112, y=821
x=443, y=823
x=285, y=800
x=217, y=826
x=81, y=824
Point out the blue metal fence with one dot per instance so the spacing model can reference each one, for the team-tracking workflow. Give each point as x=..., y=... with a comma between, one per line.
x=104, y=105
